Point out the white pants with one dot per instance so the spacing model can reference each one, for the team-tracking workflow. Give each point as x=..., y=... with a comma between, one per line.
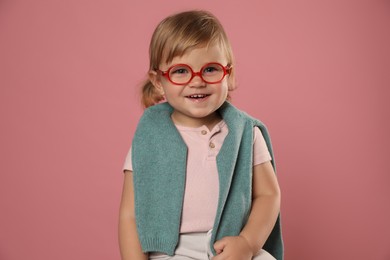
x=196, y=246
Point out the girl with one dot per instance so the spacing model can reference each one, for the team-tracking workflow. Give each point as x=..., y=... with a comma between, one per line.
x=199, y=178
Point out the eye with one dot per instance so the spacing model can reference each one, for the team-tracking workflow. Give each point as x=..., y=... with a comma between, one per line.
x=212, y=69
x=179, y=70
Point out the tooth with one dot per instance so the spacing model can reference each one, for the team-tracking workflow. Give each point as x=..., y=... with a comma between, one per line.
x=197, y=96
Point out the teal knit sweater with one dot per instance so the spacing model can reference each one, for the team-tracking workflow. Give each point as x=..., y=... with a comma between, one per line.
x=159, y=157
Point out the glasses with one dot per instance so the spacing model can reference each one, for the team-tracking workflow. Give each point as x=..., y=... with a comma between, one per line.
x=182, y=74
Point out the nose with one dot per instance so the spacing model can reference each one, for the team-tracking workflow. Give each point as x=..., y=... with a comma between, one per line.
x=197, y=80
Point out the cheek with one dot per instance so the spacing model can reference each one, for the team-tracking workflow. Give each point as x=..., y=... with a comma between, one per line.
x=170, y=92
x=222, y=92
x=224, y=87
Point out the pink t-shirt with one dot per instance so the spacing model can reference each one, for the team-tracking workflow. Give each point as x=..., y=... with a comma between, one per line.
x=201, y=191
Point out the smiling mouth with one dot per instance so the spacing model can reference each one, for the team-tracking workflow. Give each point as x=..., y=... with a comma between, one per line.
x=197, y=96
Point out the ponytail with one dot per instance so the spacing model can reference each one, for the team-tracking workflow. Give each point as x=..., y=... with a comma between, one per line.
x=150, y=96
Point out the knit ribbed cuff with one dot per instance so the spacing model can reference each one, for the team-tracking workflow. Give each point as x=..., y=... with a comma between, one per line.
x=158, y=244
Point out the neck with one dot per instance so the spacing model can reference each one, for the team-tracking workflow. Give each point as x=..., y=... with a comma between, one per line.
x=209, y=121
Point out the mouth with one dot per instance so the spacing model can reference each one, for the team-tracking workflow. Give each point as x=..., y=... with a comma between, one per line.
x=198, y=96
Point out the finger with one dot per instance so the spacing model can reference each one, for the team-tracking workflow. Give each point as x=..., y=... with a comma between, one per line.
x=219, y=245
x=219, y=257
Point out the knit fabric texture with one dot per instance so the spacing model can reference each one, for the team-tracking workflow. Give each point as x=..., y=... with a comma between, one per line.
x=159, y=171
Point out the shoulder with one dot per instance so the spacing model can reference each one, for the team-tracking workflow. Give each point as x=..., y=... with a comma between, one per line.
x=157, y=110
x=154, y=123
x=155, y=116
x=237, y=118
x=231, y=113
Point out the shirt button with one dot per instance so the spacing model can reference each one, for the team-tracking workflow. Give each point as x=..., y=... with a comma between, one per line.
x=203, y=132
x=212, y=145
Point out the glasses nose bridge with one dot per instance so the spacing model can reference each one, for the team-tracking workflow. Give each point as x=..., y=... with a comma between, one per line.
x=199, y=74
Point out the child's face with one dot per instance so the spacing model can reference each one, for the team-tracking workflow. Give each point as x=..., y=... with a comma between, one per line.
x=196, y=102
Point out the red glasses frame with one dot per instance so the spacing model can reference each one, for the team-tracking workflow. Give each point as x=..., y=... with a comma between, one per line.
x=226, y=70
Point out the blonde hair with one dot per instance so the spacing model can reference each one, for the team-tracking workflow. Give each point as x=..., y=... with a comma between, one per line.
x=179, y=33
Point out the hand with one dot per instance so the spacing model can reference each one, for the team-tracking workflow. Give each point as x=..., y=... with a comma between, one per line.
x=234, y=248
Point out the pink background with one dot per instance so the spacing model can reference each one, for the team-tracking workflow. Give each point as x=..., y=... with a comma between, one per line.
x=316, y=72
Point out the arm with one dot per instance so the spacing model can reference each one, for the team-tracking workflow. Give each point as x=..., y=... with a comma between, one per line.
x=265, y=206
x=129, y=244
x=264, y=212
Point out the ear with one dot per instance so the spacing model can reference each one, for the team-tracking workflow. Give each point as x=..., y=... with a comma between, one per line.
x=155, y=79
x=231, y=80
x=231, y=84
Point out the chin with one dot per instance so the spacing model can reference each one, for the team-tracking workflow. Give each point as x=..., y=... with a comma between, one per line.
x=201, y=115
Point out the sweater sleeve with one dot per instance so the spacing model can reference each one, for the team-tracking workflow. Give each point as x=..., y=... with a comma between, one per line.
x=260, y=150
x=128, y=165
